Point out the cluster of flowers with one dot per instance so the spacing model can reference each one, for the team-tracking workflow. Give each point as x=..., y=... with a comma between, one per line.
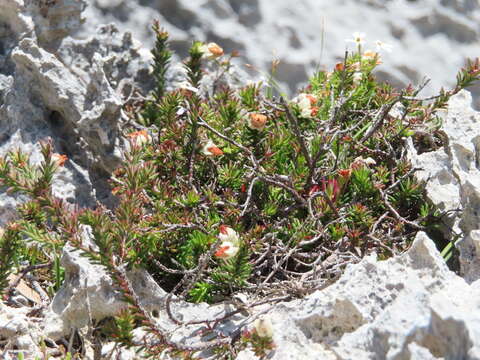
x=307, y=103
x=358, y=38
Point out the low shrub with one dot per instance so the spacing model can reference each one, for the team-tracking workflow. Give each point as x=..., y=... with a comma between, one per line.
x=233, y=190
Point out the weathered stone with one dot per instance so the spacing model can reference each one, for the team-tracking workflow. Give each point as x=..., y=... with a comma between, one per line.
x=408, y=307
x=452, y=176
x=431, y=38
x=20, y=331
x=72, y=91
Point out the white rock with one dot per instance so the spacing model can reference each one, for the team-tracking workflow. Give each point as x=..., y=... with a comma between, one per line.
x=430, y=38
x=408, y=307
x=87, y=294
x=52, y=86
x=22, y=332
x=452, y=176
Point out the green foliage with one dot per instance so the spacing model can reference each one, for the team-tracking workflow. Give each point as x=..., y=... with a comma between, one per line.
x=261, y=345
x=237, y=191
x=161, y=59
x=233, y=273
x=9, y=244
x=193, y=65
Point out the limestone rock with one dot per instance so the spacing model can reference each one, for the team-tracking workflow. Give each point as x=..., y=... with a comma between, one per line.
x=408, y=307
x=452, y=176
x=87, y=294
x=20, y=332
x=72, y=91
x=431, y=37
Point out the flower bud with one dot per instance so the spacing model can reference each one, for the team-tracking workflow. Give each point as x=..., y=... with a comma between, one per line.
x=257, y=121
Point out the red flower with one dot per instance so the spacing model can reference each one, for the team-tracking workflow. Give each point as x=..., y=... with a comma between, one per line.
x=345, y=173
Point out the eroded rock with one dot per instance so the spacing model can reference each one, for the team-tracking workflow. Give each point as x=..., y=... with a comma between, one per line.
x=408, y=307
x=72, y=91
x=430, y=37
x=452, y=176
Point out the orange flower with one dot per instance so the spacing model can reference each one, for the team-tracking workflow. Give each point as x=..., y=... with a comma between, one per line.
x=257, y=121
x=210, y=149
x=215, y=49
x=372, y=55
x=211, y=50
x=223, y=229
x=226, y=250
x=345, y=173
x=312, y=99
x=339, y=66
x=140, y=137
x=59, y=159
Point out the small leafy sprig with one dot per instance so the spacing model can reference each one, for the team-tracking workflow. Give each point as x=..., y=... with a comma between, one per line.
x=161, y=60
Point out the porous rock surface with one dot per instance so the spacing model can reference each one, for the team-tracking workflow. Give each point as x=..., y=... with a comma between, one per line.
x=51, y=85
x=430, y=37
x=408, y=307
x=452, y=176
x=71, y=91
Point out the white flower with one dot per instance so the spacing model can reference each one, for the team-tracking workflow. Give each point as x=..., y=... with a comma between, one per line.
x=358, y=38
x=210, y=149
x=227, y=250
x=230, y=242
x=305, y=103
x=368, y=161
x=211, y=50
x=357, y=77
x=227, y=234
x=381, y=46
x=264, y=327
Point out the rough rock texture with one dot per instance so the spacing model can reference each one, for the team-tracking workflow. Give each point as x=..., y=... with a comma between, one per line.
x=408, y=307
x=72, y=91
x=430, y=37
x=52, y=85
x=88, y=294
x=452, y=175
x=20, y=331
